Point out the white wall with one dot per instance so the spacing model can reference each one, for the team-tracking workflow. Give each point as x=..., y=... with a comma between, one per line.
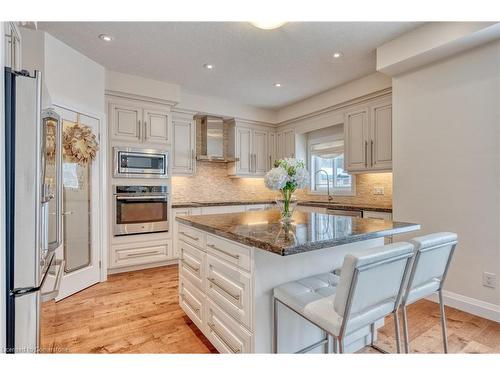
x=446, y=163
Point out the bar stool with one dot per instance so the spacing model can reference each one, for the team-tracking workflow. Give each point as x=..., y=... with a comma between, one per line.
x=433, y=254
x=370, y=287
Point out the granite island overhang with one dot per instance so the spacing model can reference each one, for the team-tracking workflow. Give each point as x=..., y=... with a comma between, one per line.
x=307, y=232
x=229, y=265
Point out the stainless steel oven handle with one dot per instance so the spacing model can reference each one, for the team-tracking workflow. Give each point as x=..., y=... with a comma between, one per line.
x=47, y=296
x=145, y=197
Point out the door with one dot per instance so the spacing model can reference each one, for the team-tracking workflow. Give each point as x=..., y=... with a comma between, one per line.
x=81, y=202
x=183, y=146
x=126, y=122
x=243, y=150
x=356, y=140
x=381, y=137
x=260, y=151
x=156, y=126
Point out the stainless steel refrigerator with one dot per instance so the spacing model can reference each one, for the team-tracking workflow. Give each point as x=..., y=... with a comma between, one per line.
x=33, y=208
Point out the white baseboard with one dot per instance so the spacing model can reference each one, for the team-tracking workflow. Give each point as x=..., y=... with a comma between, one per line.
x=470, y=305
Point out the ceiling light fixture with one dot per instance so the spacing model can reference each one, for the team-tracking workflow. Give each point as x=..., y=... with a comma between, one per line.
x=336, y=55
x=208, y=66
x=106, y=38
x=277, y=84
x=268, y=25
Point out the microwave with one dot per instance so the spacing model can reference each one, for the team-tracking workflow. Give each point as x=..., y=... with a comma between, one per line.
x=140, y=163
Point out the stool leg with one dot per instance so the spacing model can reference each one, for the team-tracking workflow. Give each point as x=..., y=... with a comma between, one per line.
x=335, y=345
x=405, y=331
x=275, y=325
x=396, y=329
x=443, y=322
x=372, y=334
x=340, y=345
x=327, y=343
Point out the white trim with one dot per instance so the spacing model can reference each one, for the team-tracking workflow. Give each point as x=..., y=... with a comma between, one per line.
x=470, y=305
x=125, y=95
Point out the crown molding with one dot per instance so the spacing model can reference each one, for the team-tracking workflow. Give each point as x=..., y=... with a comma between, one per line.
x=126, y=95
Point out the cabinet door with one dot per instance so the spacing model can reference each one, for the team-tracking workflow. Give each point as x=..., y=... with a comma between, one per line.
x=381, y=137
x=175, y=228
x=156, y=126
x=243, y=150
x=356, y=134
x=260, y=152
x=183, y=146
x=126, y=122
x=280, y=145
x=289, y=141
x=272, y=149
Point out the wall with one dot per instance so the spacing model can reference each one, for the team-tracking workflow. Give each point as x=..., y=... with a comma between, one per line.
x=211, y=183
x=446, y=164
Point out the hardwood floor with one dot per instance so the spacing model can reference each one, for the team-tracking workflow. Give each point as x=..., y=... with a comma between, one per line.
x=138, y=312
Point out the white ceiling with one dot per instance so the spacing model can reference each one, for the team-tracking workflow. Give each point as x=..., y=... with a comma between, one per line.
x=247, y=61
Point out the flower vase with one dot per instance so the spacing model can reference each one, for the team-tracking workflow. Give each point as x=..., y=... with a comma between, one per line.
x=286, y=203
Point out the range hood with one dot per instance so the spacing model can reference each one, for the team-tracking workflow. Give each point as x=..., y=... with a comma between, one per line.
x=210, y=131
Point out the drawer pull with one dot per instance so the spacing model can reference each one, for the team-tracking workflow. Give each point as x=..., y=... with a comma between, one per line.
x=134, y=255
x=192, y=268
x=235, y=256
x=188, y=236
x=195, y=309
x=232, y=348
x=214, y=282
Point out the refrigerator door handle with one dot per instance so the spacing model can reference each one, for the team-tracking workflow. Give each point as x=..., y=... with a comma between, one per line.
x=47, y=296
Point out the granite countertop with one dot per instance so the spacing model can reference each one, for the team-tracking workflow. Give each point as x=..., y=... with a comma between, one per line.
x=309, y=231
x=331, y=205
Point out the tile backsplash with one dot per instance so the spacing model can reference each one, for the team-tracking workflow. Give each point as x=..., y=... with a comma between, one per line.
x=211, y=183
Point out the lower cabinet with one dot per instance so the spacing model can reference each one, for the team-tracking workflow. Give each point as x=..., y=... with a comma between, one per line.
x=215, y=289
x=132, y=254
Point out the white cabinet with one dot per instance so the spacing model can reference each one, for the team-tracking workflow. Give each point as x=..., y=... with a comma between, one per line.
x=139, y=122
x=272, y=149
x=285, y=144
x=175, y=226
x=368, y=138
x=252, y=151
x=183, y=145
x=133, y=254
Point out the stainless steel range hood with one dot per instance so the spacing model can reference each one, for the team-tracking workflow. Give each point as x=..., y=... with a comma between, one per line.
x=210, y=130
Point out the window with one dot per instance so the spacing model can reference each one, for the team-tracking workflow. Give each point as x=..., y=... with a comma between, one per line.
x=329, y=157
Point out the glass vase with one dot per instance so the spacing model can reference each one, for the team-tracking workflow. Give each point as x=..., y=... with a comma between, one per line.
x=286, y=203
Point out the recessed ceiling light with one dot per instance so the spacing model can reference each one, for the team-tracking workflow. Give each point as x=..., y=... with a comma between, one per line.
x=268, y=25
x=277, y=84
x=208, y=66
x=336, y=55
x=106, y=38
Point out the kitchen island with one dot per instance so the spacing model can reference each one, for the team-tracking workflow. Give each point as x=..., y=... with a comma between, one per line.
x=230, y=263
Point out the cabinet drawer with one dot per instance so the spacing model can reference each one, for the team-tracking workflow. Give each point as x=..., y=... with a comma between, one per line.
x=130, y=254
x=377, y=215
x=229, y=251
x=230, y=289
x=192, y=236
x=192, y=301
x=192, y=264
x=224, y=332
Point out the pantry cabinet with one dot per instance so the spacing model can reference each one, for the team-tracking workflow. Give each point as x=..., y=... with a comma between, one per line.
x=368, y=138
x=184, y=144
x=139, y=122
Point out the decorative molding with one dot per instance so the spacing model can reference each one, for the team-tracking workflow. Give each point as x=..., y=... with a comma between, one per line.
x=470, y=305
x=125, y=95
x=356, y=101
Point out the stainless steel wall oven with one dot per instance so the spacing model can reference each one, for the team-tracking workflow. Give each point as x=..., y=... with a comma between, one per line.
x=140, y=209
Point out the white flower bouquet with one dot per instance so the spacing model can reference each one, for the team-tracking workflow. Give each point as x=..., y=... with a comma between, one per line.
x=288, y=175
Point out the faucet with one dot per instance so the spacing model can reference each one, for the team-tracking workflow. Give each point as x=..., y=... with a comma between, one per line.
x=330, y=198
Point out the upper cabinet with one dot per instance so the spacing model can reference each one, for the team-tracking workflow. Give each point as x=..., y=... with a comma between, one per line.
x=184, y=143
x=12, y=52
x=285, y=144
x=139, y=122
x=252, y=149
x=368, y=138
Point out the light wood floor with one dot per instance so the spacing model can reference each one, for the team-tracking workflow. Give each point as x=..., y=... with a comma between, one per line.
x=138, y=312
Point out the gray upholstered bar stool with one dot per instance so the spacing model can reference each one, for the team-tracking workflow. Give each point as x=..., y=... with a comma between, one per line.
x=370, y=288
x=433, y=254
